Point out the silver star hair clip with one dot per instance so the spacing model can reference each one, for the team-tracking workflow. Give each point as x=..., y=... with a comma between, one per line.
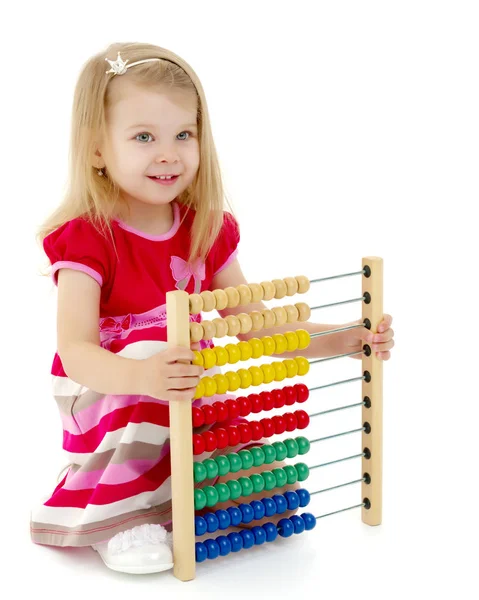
x=118, y=66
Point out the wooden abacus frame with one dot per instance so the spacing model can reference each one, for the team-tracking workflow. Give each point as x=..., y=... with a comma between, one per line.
x=178, y=307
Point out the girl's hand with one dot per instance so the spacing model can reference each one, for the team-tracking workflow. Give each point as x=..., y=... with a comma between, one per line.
x=380, y=342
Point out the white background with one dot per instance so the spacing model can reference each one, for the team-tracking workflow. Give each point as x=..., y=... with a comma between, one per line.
x=344, y=129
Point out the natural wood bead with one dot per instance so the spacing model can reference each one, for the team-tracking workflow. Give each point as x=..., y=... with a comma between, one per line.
x=291, y=285
x=292, y=313
x=209, y=300
x=304, y=311
x=234, y=325
x=257, y=319
x=209, y=330
x=221, y=299
x=268, y=289
x=269, y=318
x=257, y=292
x=221, y=327
x=281, y=289
x=303, y=284
x=245, y=294
x=233, y=297
x=246, y=322
x=280, y=314
x=196, y=303
x=196, y=331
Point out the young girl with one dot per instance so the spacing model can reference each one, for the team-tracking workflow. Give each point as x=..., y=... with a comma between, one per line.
x=143, y=215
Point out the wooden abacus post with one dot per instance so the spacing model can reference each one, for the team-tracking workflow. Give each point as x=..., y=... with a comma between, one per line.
x=181, y=448
x=372, y=392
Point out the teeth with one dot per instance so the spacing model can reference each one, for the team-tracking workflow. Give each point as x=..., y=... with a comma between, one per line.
x=164, y=176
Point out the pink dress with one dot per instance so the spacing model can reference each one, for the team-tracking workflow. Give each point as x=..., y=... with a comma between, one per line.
x=117, y=446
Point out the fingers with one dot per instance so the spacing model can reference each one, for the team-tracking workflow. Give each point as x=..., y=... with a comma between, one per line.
x=178, y=353
x=182, y=383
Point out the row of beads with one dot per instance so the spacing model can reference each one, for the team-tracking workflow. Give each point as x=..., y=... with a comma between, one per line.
x=243, y=378
x=232, y=435
x=244, y=294
x=252, y=348
x=252, y=403
x=254, y=484
x=233, y=325
x=234, y=542
x=251, y=511
x=245, y=459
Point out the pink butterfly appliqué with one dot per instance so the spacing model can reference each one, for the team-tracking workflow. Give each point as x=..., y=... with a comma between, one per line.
x=182, y=273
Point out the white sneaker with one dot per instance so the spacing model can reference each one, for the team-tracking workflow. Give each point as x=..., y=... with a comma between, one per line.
x=144, y=549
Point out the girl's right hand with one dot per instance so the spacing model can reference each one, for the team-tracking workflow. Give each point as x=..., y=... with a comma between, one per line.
x=164, y=378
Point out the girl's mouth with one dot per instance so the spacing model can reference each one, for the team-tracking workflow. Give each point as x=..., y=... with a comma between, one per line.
x=164, y=181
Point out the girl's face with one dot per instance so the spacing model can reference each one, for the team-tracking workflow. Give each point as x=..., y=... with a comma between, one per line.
x=150, y=133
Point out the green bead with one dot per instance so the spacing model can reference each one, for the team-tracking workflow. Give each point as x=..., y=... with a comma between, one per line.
x=280, y=476
x=200, y=499
x=281, y=451
x=291, y=474
x=211, y=495
x=269, y=454
x=258, y=482
x=211, y=468
x=258, y=456
x=199, y=472
x=246, y=459
x=302, y=470
x=303, y=444
x=291, y=447
x=223, y=464
x=246, y=486
x=223, y=492
x=235, y=462
x=269, y=480
x=235, y=489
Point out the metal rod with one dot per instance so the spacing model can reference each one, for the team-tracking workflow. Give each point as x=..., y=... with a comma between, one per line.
x=324, y=412
x=337, y=461
x=313, y=335
x=336, y=303
x=342, y=510
x=329, y=437
x=319, y=387
x=337, y=276
x=337, y=486
x=313, y=362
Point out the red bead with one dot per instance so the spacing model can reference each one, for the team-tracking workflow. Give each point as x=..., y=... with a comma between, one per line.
x=234, y=437
x=302, y=392
x=268, y=427
x=221, y=411
x=210, y=414
x=279, y=398
x=233, y=409
x=198, y=416
x=245, y=406
x=199, y=445
x=279, y=424
x=245, y=432
x=256, y=403
x=222, y=439
x=268, y=400
x=210, y=440
x=291, y=421
x=303, y=418
x=256, y=430
x=290, y=395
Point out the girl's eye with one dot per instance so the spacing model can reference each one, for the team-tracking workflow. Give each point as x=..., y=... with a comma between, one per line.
x=149, y=135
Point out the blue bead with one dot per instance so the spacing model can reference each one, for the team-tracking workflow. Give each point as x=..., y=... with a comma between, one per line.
x=259, y=535
x=200, y=526
x=292, y=499
x=271, y=531
x=212, y=522
x=304, y=497
x=224, y=518
x=309, y=521
x=212, y=548
x=281, y=504
x=224, y=545
x=201, y=552
x=236, y=541
x=298, y=524
x=285, y=528
x=258, y=508
x=248, y=538
x=247, y=512
x=269, y=506
x=235, y=515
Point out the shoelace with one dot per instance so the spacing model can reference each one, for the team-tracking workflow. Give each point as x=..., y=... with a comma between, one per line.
x=140, y=535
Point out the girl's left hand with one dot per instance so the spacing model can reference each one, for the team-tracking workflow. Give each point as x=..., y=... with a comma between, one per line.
x=380, y=342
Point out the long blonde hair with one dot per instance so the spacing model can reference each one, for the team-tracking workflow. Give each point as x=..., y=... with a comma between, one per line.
x=98, y=198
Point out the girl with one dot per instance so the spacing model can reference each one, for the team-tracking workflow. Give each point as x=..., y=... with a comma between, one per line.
x=143, y=215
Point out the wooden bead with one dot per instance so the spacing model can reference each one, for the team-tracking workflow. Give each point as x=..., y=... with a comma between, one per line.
x=257, y=292
x=196, y=332
x=209, y=300
x=234, y=325
x=303, y=284
x=246, y=322
x=221, y=299
x=209, y=330
x=280, y=287
x=233, y=297
x=292, y=313
x=257, y=319
x=196, y=303
x=304, y=311
x=269, y=318
x=245, y=294
x=292, y=285
x=280, y=314
x=221, y=327
x=268, y=289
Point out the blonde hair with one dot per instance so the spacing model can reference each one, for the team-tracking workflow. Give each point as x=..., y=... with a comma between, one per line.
x=98, y=198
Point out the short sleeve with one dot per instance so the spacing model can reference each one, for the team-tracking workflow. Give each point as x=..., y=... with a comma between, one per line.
x=225, y=248
x=78, y=245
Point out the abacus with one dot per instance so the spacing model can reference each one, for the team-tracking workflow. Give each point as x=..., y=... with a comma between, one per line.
x=185, y=443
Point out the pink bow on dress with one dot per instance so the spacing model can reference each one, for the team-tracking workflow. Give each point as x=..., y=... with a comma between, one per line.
x=182, y=273
x=109, y=324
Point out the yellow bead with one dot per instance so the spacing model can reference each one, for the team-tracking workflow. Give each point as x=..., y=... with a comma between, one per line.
x=292, y=340
x=222, y=383
x=233, y=297
x=303, y=365
x=304, y=311
x=245, y=349
x=210, y=385
x=234, y=380
x=196, y=332
x=280, y=315
x=245, y=377
x=304, y=338
x=292, y=313
x=268, y=345
x=209, y=300
x=209, y=330
x=246, y=322
x=233, y=352
x=257, y=292
x=268, y=289
x=209, y=358
x=200, y=390
x=221, y=299
x=279, y=371
x=291, y=285
x=196, y=303
x=257, y=319
x=245, y=294
x=291, y=367
x=234, y=325
x=268, y=372
x=257, y=375
x=256, y=347
x=222, y=355
x=303, y=284
x=281, y=289
x=269, y=318
x=198, y=360
x=280, y=342
x=221, y=327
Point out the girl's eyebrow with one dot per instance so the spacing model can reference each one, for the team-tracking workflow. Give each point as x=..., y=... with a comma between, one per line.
x=153, y=126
